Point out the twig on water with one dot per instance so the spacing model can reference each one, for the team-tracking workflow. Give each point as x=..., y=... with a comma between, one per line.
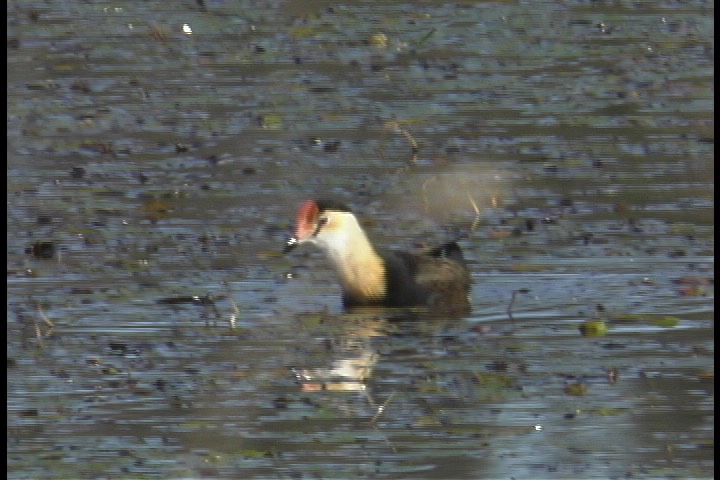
x=47, y=321
x=476, y=220
x=414, y=147
x=38, y=331
x=380, y=410
x=235, y=310
x=512, y=300
x=382, y=407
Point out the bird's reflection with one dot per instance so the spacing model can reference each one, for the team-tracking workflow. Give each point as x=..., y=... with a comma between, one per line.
x=354, y=352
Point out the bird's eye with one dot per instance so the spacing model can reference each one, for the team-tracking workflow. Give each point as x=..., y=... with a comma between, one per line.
x=322, y=221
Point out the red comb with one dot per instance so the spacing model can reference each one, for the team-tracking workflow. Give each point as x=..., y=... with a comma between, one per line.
x=306, y=219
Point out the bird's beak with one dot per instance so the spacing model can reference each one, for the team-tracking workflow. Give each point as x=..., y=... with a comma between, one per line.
x=290, y=245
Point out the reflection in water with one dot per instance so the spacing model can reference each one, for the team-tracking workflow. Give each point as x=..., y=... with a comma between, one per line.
x=349, y=374
x=353, y=354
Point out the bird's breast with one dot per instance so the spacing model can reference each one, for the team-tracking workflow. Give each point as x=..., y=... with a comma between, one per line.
x=363, y=279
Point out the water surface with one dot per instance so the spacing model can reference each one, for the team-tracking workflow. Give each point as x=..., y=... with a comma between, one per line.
x=156, y=155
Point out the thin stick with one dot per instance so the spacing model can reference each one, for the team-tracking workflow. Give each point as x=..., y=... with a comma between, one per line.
x=373, y=422
x=381, y=408
x=235, y=309
x=512, y=301
x=414, y=146
x=44, y=317
x=476, y=220
x=38, y=331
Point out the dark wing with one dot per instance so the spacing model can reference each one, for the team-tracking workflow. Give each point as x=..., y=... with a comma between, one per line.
x=435, y=277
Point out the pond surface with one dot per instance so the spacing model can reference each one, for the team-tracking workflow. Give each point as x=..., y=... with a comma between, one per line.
x=157, y=153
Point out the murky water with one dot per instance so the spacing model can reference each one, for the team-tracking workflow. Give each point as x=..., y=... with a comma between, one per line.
x=156, y=155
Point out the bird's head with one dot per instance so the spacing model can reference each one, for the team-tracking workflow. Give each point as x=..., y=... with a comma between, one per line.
x=324, y=223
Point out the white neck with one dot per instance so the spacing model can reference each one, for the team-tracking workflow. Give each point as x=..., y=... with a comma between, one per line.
x=360, y=268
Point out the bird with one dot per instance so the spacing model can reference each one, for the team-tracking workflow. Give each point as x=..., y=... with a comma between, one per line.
x=436, y=277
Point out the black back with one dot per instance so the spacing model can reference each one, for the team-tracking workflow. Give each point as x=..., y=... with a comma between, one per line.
x=330, y=204
x=434, y=277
